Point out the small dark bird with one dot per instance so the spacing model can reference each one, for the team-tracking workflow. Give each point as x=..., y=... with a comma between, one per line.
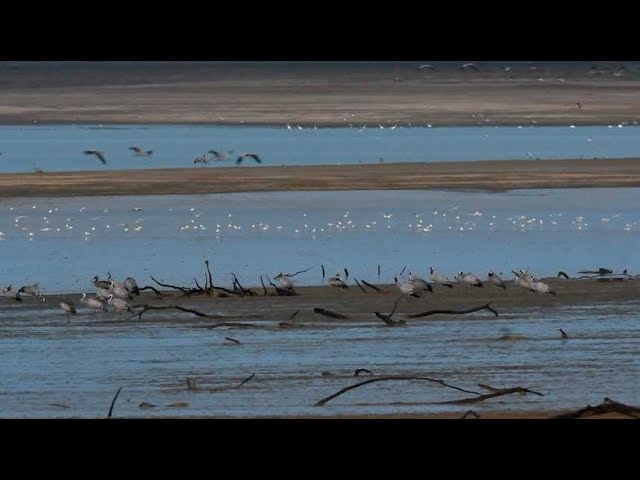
x=252, y=155
x=563, y=333
x=97, y=153
x=139, y=152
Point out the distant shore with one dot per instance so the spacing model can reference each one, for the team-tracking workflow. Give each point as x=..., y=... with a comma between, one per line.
x=477, y=175
x=320, y=93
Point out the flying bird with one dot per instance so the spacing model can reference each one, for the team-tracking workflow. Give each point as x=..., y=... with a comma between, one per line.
x=139, y=152
x=252, y=155
x=97, y=153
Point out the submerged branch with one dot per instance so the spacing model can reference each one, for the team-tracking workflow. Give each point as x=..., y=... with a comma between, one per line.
x=391, y=377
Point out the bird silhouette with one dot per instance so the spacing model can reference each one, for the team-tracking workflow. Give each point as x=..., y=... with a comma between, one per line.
x=139, y=152
x=97, y=153
x=252, y=155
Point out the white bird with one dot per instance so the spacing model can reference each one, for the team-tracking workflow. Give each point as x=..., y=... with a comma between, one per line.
x=92, y=302
x=119, y=291
x=102, y=293
x=12, y=294
x=131, y=285
x=337, y=282
x=100, y=283
x=420, y=283
x=440, y=279
x=469, y=279
x=540, y=287
x=68, y=307
x=119, y=304
x=494, y=278
x=284, y=281
x=32, y=290
x=408, y=287
x=469, y=66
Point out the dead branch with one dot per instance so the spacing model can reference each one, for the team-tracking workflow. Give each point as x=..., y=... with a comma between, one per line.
x=498, y=393
x=231, y=324
x=197, y=284
x=391, y=377
x=287, y=324
x=454, y=312
x=608, y=406
x=243, y=291
x=329, y=313
x=146, y=308
x=563, y=275
x=113, y=402
x=402, y=271
x=362, y=370
x=182, y=289
x=361, y=287
x=387, y=318
x=206, y=262
x=263, y=286
x=149, y=287
x=247, y=379
x=237, y=342
x=371, y=286
x=291, y=317
x=294, y=274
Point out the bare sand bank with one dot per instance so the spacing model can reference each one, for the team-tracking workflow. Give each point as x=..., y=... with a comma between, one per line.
x=480, y=175
x=320, y=93
x=357, y=305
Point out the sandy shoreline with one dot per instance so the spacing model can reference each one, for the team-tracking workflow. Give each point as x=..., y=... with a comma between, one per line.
x=319, y=93
x=478, y=175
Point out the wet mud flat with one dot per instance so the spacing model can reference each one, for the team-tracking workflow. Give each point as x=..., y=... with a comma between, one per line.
x=278, y=356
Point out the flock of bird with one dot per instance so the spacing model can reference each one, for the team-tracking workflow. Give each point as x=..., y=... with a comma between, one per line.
x=115, y=295
x=416, y=286
x=204, y=159
x=109, y=293
x=217, y=156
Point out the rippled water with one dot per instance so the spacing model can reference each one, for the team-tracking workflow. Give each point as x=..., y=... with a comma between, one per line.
x=63, y=242
x=60, y=147
x=54, y=368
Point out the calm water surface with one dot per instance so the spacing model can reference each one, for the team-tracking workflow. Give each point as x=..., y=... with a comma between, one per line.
x=60, y=147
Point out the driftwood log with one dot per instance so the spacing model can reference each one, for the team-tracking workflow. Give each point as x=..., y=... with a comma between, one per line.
x=390, y=378
x=329, y=313
x=454, y=312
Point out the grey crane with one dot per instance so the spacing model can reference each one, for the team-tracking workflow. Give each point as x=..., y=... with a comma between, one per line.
x=92, y=302
x=97, y=153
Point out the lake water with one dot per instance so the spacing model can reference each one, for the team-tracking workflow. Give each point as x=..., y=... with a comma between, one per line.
x=63, y=242
x=55, y=368
x=60, y=147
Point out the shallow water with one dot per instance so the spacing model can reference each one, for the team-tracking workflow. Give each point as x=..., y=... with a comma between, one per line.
x=60, y=147
x=55, y=368
x=63, y=242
